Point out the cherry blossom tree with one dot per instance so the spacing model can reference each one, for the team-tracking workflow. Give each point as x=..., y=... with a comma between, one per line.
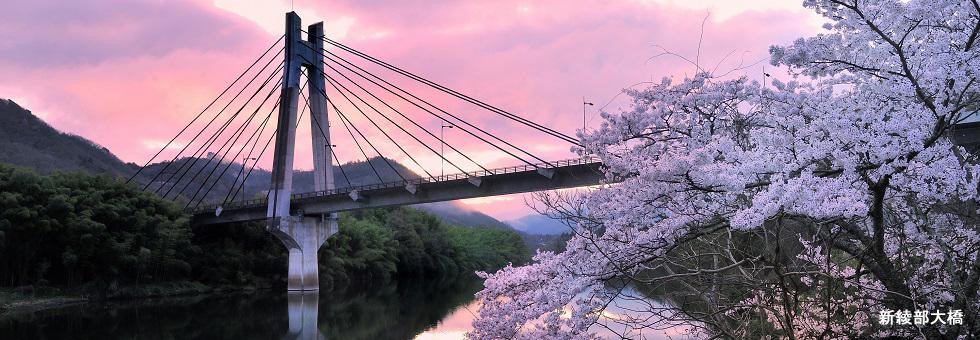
x=801, y=209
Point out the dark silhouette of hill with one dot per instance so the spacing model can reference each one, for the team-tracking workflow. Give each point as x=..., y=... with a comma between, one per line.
x=29, y=142
x=189, y=174
x=456, y=213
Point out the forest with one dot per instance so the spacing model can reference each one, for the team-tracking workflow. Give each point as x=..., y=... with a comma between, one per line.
x=75, y=230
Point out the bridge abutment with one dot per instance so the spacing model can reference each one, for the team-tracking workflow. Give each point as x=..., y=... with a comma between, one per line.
x=303, y=236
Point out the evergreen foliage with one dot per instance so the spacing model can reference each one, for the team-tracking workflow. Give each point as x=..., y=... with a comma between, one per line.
x=73, y=228
x=378, y=244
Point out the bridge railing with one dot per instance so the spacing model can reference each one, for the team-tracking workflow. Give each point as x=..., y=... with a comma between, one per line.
x=401, y=184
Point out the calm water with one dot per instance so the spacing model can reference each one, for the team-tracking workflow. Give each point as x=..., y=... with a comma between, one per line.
x=421, y=309
x=402, y=310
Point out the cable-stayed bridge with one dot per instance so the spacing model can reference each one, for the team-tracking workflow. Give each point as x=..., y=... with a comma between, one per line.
x=238, y=130
x=568, y=173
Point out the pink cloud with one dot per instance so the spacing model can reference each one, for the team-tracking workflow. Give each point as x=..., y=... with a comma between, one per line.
x=118, y=72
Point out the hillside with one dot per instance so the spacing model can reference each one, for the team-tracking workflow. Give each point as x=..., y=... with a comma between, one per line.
x=459, y=214
x=27, y=141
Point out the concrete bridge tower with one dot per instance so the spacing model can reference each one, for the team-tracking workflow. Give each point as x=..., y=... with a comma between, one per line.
x=302, y=234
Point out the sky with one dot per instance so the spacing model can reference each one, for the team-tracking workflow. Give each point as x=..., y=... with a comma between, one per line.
x=129, y=74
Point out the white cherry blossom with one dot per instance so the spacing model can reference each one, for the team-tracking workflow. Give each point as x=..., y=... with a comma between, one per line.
x=850, y=168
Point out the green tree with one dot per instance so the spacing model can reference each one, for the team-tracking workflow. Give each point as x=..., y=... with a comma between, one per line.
x=70, y=228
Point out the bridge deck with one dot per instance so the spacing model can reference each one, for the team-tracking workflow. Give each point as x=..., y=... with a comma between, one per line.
x=510, y=180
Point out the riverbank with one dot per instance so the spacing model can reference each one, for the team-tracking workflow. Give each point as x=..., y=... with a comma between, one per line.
x=38, y=304
x=27, y=299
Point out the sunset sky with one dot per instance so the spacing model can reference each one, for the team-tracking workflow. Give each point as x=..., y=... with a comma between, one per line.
x=128, y=74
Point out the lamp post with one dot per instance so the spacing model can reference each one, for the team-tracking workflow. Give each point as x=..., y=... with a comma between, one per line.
x=584, y=103
x=442, y=147
x=163, y=183
x=327, y=149
x=240, y=173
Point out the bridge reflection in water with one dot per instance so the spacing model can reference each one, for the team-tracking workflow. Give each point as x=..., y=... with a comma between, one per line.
x=394, y=310
x=304, y=308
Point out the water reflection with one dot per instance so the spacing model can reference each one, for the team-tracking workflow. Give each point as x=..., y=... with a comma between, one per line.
x=398, y=311
x=303, y=309
x=386, y=311
x=609, y=325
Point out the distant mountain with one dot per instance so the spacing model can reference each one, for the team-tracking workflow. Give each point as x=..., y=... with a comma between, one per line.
x=193, y=173
x=539, y=225
x=27, y=141
x=459, y=214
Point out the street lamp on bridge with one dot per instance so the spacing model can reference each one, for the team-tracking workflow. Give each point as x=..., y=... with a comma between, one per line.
x=164, y=182
x=328, y=151
x=240, y=173
x=584, y=103
x=442, y=147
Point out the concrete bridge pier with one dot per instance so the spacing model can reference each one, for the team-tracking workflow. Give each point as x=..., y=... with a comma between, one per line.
x=303, y=236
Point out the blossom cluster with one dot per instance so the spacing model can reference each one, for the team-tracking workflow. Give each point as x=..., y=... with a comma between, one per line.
x=856, y=164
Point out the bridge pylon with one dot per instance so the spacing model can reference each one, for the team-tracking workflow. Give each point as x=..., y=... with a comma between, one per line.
x=302, y=234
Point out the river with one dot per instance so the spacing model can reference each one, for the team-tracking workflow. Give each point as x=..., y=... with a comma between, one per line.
x=407, y=309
